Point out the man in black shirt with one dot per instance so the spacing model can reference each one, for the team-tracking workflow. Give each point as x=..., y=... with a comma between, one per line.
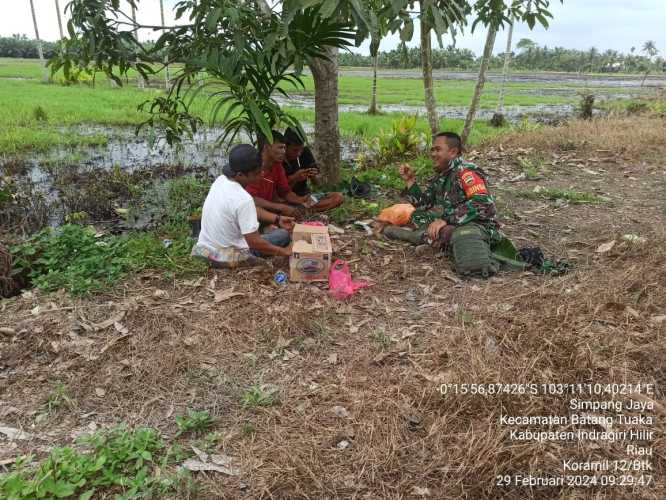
x=300, y=165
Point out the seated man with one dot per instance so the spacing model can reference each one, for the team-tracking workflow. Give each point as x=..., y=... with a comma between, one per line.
x=457, y=196
x=272, y=191
x=230, y=222
x=300, y=165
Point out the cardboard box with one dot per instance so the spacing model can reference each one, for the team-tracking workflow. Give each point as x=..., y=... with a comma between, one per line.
x=311, y=254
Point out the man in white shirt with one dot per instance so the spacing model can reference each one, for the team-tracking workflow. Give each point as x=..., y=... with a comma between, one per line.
x=230, y=221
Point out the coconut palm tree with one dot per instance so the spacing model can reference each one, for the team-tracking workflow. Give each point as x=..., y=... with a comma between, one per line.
x=528, y=46
x=650, y=50
x=140, y=81
x=166, y=68
x=426, y=68
x=498, y=118
x=376, y=34
x=480, y=82
x=40, y=51
x=59, y=19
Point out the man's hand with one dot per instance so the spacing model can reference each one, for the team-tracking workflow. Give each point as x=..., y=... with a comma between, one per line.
x=300, y=175
x=287, y=223
x=286, y=251
x=312, y=172
x=407, y=174
x=434, y=228
x=290, y=211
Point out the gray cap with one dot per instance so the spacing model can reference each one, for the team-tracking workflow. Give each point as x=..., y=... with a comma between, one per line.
x=243, y=158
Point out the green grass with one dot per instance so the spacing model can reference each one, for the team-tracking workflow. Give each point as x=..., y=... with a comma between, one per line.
x=20, y=68
x=194, y=421
x=75, y=259
x=409, y=92
x=568, y=195
x=33, y=111
x=21, y=130
x=57, y=398
x=70, y=105
x=132, y=463
x=61, y=106
x=364, y=125
x=356, y=89
x=533, y=168
x=257, y=395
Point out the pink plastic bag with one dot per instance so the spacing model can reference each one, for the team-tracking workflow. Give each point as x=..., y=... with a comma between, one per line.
x=340, y=284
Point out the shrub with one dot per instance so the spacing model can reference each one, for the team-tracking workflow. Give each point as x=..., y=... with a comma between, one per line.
x=586, y=106
x=194, y=421
x=118, y=458
x=39, y=114
x=80, y=261
x=169, y=203
x=402, y=142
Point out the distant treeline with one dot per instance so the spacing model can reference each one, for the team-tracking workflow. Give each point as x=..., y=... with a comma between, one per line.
x=404, y=57
x=22, y=46
x=527, y=56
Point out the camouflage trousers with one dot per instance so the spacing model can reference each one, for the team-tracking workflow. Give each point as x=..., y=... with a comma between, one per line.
x=420, y=236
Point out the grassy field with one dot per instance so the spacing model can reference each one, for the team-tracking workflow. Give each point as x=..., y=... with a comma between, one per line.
x=409, y=92
x=34, y=112
x=356, y=89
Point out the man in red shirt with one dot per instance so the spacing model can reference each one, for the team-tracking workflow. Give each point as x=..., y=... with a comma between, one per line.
x=273, y=191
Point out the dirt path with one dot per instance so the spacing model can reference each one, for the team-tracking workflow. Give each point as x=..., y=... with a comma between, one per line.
x=358, y=411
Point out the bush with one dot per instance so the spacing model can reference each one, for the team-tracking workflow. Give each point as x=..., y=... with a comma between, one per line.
x=586, y=106
x=39, y=114
x=169, y=203
x=118, y=459
x=402, y=142
x=78, y=260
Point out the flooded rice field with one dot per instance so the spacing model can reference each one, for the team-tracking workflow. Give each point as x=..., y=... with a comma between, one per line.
x=578, y=79
x=96, y=180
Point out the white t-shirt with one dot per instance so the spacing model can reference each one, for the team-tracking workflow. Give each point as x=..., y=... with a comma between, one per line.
x=228, y=213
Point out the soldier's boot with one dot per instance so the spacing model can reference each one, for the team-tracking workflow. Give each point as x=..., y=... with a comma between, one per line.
x=416, y=237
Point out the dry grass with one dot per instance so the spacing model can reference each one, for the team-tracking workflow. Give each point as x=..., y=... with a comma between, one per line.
x=624, y=136
x=183, y=351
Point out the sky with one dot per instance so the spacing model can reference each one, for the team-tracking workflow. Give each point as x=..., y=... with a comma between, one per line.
x=579, y=24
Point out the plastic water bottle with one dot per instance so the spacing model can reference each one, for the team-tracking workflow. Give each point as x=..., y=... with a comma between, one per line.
x=280, y=278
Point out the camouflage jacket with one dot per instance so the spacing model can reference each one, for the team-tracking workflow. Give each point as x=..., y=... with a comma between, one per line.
x=459, y=196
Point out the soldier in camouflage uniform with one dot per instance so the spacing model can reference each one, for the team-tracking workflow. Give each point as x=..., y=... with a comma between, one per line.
x=457, y=195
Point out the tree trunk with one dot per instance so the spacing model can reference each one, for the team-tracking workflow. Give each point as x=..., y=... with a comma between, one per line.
x=141, y=83
x=505, y=70
x=327, y=134
x=166, y=68
x=487, y=54
x=373, y=100
x=62, y=35
x=40, y=51
x=426, y=67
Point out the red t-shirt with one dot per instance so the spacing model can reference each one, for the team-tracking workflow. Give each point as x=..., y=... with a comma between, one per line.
x=273, y=180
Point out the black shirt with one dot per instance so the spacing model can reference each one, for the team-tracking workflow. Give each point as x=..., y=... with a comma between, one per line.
x=306, y=160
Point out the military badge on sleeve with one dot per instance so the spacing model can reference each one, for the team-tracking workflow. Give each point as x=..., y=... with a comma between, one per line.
x=472, y=183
